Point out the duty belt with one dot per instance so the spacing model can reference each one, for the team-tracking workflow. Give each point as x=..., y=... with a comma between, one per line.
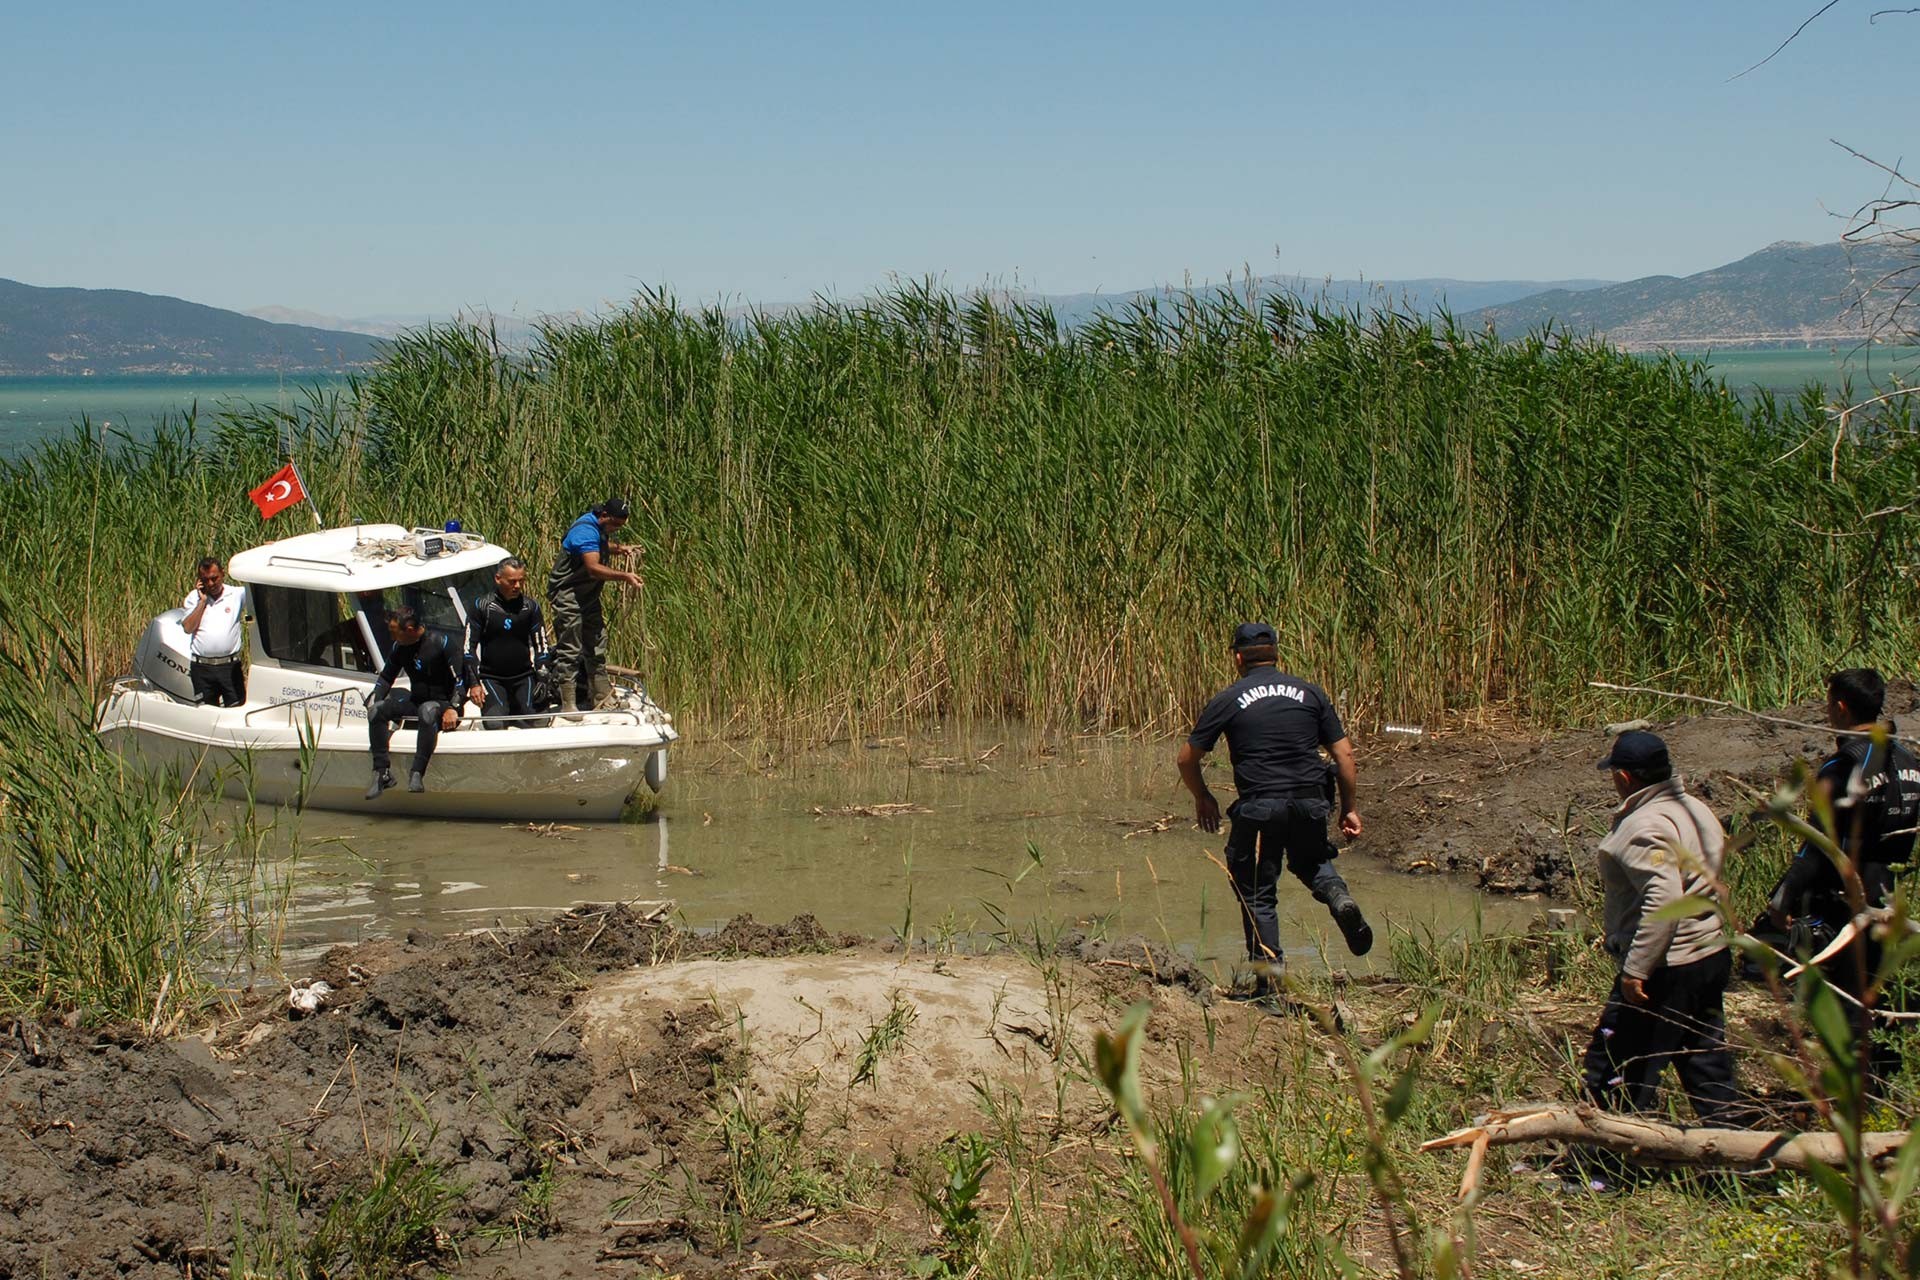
x=224, y=659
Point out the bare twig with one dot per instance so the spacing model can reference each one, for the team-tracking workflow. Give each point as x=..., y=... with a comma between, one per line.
x=1784, y=43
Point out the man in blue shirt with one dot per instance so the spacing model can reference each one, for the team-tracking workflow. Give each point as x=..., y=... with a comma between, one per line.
x=1276, y=726
x=582, y=568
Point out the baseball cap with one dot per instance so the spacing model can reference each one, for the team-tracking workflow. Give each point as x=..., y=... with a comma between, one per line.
x=1249, y=634
x=615, y=509
x=1636, y=751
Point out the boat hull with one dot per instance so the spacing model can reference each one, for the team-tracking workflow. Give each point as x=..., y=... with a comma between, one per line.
x=578, y=773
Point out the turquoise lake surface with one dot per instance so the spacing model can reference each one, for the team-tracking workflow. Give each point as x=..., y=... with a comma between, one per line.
x=37, y=409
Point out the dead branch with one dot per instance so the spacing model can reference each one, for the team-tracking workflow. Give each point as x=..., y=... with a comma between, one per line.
x=1746, y=711
x=1651, y=1140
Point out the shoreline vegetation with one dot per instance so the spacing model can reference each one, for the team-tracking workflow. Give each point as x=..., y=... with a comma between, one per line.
x=913, y=510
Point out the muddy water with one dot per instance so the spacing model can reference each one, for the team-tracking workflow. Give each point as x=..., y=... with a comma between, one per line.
x=1093, y=833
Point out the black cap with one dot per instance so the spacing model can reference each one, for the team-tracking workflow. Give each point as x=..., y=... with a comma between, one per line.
x=614, y=509
x=1250, y=634
x=1637, y=751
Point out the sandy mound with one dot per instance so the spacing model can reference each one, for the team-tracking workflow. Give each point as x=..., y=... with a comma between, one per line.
x=898, y=1033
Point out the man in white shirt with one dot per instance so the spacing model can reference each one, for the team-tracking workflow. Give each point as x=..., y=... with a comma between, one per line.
x=215, y=614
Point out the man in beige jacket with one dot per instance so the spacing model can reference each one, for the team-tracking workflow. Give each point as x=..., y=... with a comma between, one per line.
x=1667, y=1002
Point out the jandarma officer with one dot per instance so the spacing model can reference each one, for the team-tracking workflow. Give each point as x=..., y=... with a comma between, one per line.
x=214, y=624
x=1874, y=797
x=1275, y=725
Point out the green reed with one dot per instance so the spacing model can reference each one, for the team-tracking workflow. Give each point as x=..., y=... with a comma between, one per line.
x=924, y=506
x=119, y=898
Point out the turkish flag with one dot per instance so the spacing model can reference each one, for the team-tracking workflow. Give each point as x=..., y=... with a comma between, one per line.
x=280, y=491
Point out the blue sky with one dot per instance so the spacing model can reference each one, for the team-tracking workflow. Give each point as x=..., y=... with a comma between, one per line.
x=541, y=157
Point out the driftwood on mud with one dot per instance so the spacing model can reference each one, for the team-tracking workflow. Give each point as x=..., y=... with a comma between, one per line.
x=1651, y=1140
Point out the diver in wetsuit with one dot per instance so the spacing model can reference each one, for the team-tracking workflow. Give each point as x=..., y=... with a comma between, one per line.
x=432, y=697
x=503, y=641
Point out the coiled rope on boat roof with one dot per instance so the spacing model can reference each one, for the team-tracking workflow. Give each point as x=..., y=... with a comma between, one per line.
x=397, y=549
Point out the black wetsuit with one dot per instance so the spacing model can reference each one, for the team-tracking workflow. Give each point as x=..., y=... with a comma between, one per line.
x=434, y=686
x=1275, y=725
x=503, y=639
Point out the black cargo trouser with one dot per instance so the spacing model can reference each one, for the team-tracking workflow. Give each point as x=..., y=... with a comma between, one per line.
x=1821, y=918
x=218, y=683
x=1684, y=1023
x=390, y=711
x=1262, y=832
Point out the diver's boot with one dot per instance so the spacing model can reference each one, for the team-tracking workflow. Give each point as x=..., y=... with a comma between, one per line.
x=416, y=782
x=569, y=704
x=1353, y=926
x=603, y=698
x=382, y=779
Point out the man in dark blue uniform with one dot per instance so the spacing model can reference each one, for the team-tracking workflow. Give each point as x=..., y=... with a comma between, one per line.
x=503, y=639
x=1275, y=725
x=1874, y=794
x=432, y=697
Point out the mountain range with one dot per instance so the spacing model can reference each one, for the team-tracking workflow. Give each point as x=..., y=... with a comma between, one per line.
x=1788, y=294
x=106, y=331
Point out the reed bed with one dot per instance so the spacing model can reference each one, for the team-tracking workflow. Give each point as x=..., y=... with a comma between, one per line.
x=925, y=506
x=122, y=897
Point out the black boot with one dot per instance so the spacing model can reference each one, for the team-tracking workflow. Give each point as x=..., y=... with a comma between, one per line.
x=416, y=781
x=382, y=779
x=1353, y=926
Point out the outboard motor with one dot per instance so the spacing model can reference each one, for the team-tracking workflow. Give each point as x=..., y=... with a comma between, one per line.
x=163, y=655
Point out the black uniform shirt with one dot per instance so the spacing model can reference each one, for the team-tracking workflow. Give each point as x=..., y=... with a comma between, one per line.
x=1891, y=803
x=502, y=636
x=428, y=669
x=1275, y=726
x=1865, y=827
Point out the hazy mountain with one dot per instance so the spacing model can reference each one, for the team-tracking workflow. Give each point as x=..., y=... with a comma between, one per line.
x=373, y=326
x=1788, y=293
x=99, y=331
x=515, y=332
x=1423, y=296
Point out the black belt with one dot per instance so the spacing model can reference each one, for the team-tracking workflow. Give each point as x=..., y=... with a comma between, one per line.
x=222, y=661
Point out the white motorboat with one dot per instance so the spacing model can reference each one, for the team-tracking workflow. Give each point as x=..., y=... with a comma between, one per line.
x=317, y=637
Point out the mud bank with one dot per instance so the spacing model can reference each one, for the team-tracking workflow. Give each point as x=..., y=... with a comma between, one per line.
x=1520, y=813
x=604, y=1094
x=574, y=1087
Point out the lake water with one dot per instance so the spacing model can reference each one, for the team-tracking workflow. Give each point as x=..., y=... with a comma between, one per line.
x=36, y=409
x=1785, y=372
x=1086, y=832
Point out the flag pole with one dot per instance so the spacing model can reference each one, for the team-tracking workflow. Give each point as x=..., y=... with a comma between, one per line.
x=305, y=492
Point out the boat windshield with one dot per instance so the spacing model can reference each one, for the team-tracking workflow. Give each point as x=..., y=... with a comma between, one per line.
x=435, y=602
x=310, y=629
